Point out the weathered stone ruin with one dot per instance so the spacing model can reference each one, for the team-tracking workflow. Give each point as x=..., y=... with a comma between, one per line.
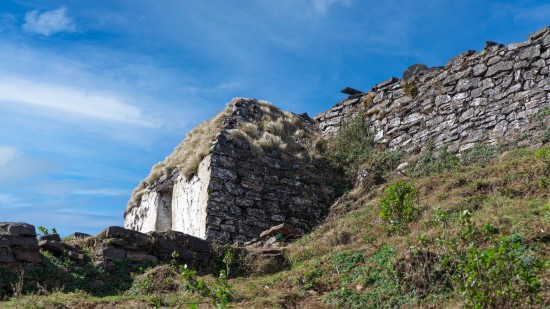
x=18, y=243
x=235, y=191
x=257, y=172
x=486, y=97
x=53, y=244
x=19, y=246
x=116, y=244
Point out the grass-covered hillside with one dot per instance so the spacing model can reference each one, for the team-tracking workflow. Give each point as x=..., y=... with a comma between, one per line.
x=445, y=231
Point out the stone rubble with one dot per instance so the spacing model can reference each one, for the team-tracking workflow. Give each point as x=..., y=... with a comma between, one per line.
x=18, y=243
x=117, y=244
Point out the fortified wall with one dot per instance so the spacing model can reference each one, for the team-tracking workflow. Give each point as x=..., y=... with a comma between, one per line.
x=257, y=173
x=486, y=97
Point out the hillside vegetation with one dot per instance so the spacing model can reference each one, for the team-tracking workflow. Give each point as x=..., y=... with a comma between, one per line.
x=445, y=231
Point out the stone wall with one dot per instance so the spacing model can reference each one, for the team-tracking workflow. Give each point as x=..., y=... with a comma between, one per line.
x=249, y=195
x=18, y=244
x=484, y=97
x=238, y=192
x=155, y=210
x=189, y=201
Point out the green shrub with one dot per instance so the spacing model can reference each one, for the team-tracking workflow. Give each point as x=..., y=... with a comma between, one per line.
x=503, y=275
x=44, y=231
x=543, y=155
x=354, y=146
x=375, y=276
x=480, y=155
x=431, y=163
x=219, y=291
x=398, y=205
x=486, y=270
x=351, y=146
x=541, y=114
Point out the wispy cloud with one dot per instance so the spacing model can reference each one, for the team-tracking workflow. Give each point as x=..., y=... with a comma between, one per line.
x=7, y=155
x=15, y=165
x=49, y=22
x=537, y=13
x=322, y=6
x=79, y=102
x=101, y=192
x=8, y=199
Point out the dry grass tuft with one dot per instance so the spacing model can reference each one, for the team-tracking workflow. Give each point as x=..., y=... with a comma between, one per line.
x=187, y=155
x=277, y=130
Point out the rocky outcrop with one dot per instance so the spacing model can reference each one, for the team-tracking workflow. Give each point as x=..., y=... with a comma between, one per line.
x=53, y=244
x=246, y=183
x=486, y=97
x=18, y=244
x=116, y=244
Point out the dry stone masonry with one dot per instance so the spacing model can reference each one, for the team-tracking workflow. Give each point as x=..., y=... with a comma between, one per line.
x=116, y=244
x=18, y=244
x=486, y=97
x=238, y=192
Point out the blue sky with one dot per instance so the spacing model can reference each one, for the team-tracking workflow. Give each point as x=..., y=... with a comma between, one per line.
x=94, y=93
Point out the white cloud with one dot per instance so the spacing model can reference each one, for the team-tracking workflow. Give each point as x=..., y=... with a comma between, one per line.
x=15, y=165
x=49, y=22
x=73, y=101
x=9, y=200
x=322, y=6
x=7, y=155
x=102, y=192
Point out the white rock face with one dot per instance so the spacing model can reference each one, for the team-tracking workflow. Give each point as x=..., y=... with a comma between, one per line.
x=153, y=213
x=189, y=202
x=143, y=217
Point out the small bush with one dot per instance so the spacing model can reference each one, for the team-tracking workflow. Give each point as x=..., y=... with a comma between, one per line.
x=219, y=291
x=398, y=205
x=541, y=114
x=543, y=155
x=368, y=283
x=411, y=89
x=354, y=146
x=431, y=163
x=486, y=270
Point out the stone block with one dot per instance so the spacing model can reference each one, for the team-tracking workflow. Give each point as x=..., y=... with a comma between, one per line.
x=17, y=228
x=27, y=255
x=283, y=229
x=133, y=237
x=111, y=253
x=499, y=67
x=54, y=237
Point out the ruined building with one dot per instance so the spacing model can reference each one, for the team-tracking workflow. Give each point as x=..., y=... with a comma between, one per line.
x=247, y=169
x=253, y=166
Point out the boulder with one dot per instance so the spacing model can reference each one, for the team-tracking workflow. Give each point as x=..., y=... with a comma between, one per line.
x=350, y=91
x=368, y=178
x=78, y=235
x=54, y=237
x=414, y=70
x=489, y=45
x=18, y=243
x=283, y=229
x=188, y=247
x=17, y=228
